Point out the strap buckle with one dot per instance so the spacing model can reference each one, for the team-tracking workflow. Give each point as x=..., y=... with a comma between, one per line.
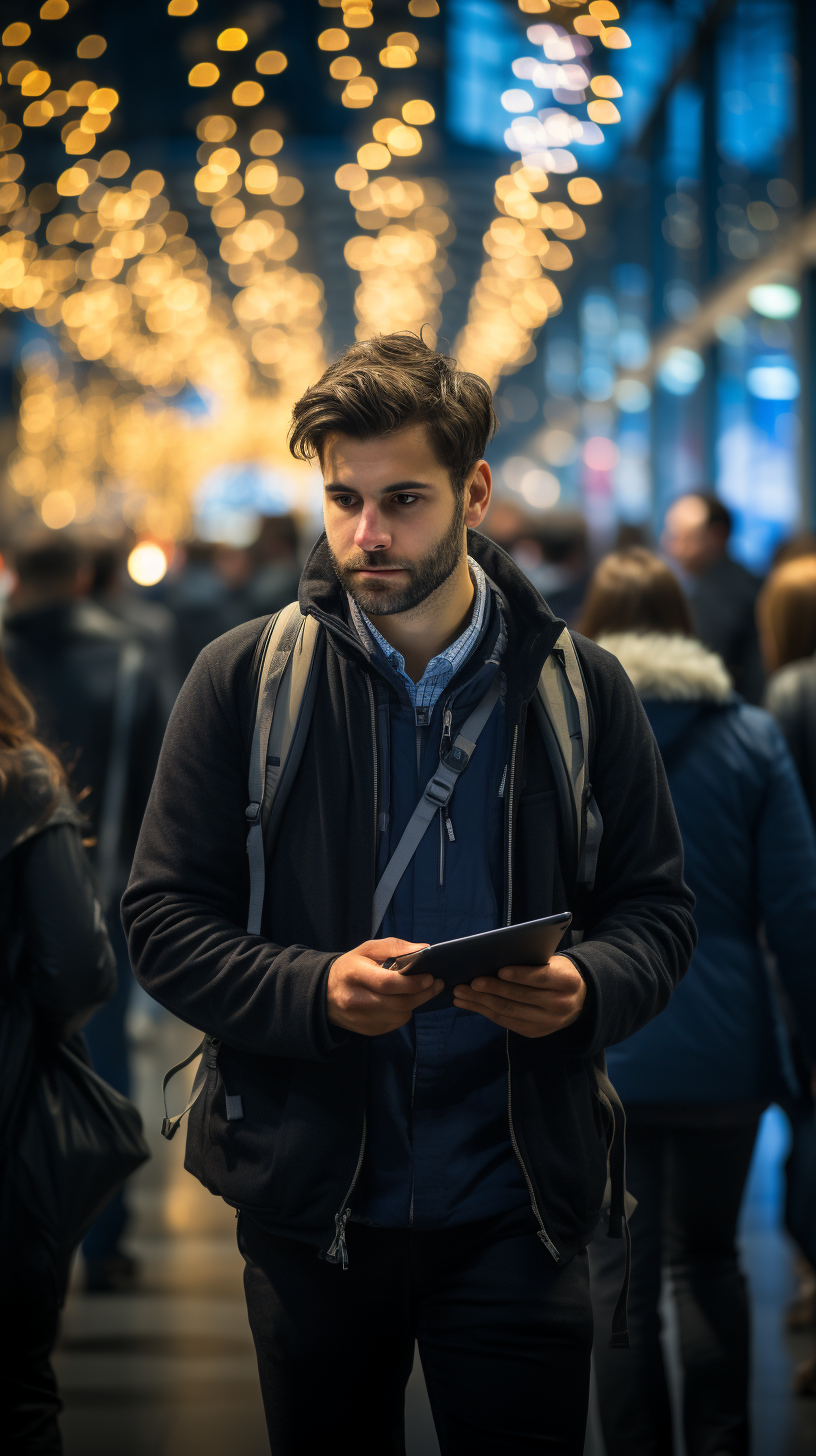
x=252, y=813
x=438, y=791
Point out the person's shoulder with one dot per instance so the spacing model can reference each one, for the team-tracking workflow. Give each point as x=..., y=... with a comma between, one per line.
x=230, y=656
x=789, y=684
x=755, y=731
x=738, y=577
x=601, y=668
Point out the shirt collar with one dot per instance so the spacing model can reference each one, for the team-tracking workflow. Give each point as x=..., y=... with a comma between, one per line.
x=451, y=658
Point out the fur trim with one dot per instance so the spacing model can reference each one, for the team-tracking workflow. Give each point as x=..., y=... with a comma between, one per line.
x=673, y=668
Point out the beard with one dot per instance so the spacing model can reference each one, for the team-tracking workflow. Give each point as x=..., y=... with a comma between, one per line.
x=386, y=598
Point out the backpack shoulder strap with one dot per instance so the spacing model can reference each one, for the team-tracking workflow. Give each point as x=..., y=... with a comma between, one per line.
x=282, y=687
x=563, y=714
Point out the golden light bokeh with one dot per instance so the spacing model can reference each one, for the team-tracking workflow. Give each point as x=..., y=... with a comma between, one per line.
x=140, y=318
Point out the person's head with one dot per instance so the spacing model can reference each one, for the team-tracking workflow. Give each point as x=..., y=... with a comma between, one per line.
x=50, y=567
x=696, y=531
x=786, y=613
x=278, y=540
x=634, y=591
x=399, y=433
x=18, y=734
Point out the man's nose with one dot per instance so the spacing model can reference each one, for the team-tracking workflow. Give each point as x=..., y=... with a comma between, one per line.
x=371, y=534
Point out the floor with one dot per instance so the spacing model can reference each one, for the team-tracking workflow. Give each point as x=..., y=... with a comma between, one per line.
x=169, y=1369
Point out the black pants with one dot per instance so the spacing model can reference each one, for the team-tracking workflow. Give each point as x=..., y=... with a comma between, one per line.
x=688, y=1182
x=504, y=1337
x=31, y=1292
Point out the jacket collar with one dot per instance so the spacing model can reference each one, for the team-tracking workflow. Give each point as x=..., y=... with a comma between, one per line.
x=532, y=629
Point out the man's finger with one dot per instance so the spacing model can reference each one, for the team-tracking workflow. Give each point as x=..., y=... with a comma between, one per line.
x=509, y=991
x=392, y=983
x=546, y=978
x=389, y=948
x=503, y=1006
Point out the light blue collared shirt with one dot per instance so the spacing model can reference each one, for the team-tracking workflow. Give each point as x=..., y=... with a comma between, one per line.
x=426, y=693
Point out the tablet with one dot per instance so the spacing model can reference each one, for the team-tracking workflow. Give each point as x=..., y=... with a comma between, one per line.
x=458, y=962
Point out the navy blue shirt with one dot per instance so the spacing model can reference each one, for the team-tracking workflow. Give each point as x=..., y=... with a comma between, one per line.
x=438, y=1148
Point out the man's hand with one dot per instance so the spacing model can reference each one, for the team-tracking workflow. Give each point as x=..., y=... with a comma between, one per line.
x=361, y=996
x=532, y=1000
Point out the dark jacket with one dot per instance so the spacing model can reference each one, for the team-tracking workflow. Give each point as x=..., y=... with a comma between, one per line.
x=750, y=860
x=67, y=657
x=297, y=1151
x=51, y=927
x=723, y=605
x=790, y=696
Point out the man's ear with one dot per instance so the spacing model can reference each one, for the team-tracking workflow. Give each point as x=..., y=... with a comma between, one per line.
x=478, y=489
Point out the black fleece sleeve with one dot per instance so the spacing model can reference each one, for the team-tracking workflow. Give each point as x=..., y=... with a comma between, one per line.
x=185, y=907
x=73, y=970
x=639, y=928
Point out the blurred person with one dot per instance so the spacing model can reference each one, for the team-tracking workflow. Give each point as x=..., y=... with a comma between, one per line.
x=802, y=543
x=277, y=575
x=204, y=603
x=57, y=952
x=340, y=1123
x=786, y=614
x=564, y=573
x=696, y=1081
x=506, y=523
x=100, y=706
x=150, y=622
x=722, y=593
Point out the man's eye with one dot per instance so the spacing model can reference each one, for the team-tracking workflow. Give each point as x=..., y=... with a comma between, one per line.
x=405, y=499
x=343, y=500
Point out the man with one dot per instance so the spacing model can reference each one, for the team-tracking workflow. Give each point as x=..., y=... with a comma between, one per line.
x=721, y=592
x=100, y=708
x=447, y=1162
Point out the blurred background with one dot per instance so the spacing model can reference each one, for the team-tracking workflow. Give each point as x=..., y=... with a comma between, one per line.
x=611, y=216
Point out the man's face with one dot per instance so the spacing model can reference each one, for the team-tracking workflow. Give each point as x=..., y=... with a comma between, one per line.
x=688, y=538
x=395, y=528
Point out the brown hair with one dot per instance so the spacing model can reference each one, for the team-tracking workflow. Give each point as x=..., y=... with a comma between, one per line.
x=17, y=735
x=786, y=612
x=391, y=381
x=634, y=591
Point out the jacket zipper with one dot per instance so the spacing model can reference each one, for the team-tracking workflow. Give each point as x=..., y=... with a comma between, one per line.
x=542, y=1232
x=337, y=1253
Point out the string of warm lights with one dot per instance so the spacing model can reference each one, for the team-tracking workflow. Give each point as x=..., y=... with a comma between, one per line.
x=404, y=268
x=109, y=445
x=278, y=308
x=514, y=294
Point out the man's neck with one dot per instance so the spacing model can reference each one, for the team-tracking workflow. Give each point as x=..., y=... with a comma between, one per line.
x=429, y=628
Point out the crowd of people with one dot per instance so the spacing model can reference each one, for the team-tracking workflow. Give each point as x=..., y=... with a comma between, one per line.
x=724, y=667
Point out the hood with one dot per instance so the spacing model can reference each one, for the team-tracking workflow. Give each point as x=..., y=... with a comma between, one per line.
x=671, y=668
x=676, y=677
x=532, y=629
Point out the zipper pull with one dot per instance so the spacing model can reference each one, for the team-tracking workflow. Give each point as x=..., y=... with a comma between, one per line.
x=449, y=825
x=338, y=1253
x=503, y=782
x=447, y=719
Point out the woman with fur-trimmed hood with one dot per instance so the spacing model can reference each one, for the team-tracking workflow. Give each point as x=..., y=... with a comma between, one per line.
x=696, y=1080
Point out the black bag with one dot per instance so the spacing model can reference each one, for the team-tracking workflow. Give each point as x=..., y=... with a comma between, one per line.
x=68, y=1140
x=76, y=1142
